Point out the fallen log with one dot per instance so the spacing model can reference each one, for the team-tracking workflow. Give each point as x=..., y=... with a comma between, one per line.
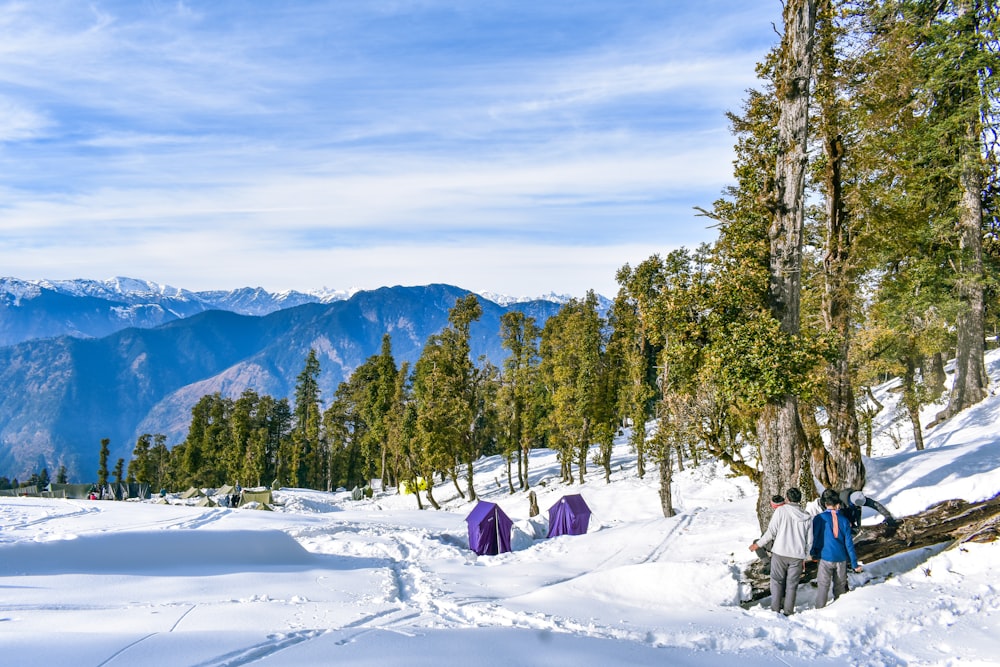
x=947, y=523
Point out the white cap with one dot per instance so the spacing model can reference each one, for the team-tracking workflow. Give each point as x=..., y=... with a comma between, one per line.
x=858, y=498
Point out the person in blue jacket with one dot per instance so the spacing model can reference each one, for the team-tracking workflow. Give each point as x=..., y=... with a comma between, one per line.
x=833, y=547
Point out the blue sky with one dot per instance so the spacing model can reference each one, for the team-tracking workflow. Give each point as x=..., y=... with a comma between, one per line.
x=515, y=147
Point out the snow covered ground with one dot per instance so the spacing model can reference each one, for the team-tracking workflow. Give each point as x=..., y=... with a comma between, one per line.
x=329, y=580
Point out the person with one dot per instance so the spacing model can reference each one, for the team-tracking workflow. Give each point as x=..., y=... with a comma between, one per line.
x=833, y=547
x=852, y=500
x=790, y=531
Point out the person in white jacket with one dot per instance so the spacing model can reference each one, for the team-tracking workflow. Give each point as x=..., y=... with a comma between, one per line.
x=790, y=530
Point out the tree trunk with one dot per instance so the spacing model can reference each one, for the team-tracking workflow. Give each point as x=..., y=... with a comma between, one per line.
x=971, y=380
x=779, y=430
x=430, y=494
x=936, y=376
x=844, y=447
x=469, y=479
x=868, y=413
x=666, y=479
x=782, y=447
x=458, y=489
x=581, y=455
x=640, y=453
x=510, y=479
x=525, y=485
x=911, y=402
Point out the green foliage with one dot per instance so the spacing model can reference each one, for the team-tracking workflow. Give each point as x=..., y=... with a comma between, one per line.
x=445, y=389
x=756, y=362
x=102, y=469
x=576, y=373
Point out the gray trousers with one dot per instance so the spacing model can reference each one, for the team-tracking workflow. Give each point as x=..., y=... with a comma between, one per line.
x=785, y=575
x=830, y=571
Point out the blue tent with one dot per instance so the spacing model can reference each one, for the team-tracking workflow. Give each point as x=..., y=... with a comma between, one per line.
x=489, y=529
x=569, y=516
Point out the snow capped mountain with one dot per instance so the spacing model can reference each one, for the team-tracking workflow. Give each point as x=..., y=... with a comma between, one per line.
x=505, y=300
x=244, y=300
x=13, y=291
x=84, y=308
x=94, y=308
x=113, y=288
x=603, y=303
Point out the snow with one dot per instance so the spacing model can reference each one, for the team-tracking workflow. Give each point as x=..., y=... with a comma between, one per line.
x=328, y=580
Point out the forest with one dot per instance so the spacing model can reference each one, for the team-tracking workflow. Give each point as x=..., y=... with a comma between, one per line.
x=857, y=242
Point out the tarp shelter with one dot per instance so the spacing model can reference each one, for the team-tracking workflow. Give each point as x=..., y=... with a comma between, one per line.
x=20, y=491
x=225, y=490
x=193, y=492
x=124, y=491
x=262, y=496
x=569, y=516
x=489, y=529
x=76, y=491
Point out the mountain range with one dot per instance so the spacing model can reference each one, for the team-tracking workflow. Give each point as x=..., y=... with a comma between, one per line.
x=91, y=360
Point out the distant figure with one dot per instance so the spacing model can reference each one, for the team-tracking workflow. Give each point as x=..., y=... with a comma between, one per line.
x=851, y=502
x=833, y=547
x=790, y=529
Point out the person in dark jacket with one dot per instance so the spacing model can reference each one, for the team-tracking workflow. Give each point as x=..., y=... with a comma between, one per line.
x=833, y=547
x=851, y=502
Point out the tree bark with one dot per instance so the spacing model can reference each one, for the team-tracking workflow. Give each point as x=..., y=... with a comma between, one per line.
x=666, y=479
x=971, y=379
x=782, y=449
x=782, y=441
x=843, y=451
x=911, y=401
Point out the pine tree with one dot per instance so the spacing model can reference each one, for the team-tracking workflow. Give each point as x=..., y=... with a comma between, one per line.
x=779, y=429
x=307, y=460
x=401, y=428
x=836, y=461
x=518, y=401
x=378, y=386
x=139, y=466
x=102, y=465
x=574, y=369
x=445, y=393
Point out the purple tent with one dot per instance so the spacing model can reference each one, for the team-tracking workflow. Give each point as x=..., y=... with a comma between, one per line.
x=489, y=529
x=569, y=516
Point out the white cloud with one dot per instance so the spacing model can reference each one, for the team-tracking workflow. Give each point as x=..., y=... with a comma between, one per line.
x=19, y=122
x=183, y=140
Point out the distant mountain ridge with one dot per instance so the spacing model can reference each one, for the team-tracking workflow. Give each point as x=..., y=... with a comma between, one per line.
x=63, y=394
x=84, y=308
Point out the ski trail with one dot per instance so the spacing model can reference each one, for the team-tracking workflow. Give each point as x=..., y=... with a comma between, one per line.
x=682, y=526
x=125, y=648
x=273, y=644
x=78, y=511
